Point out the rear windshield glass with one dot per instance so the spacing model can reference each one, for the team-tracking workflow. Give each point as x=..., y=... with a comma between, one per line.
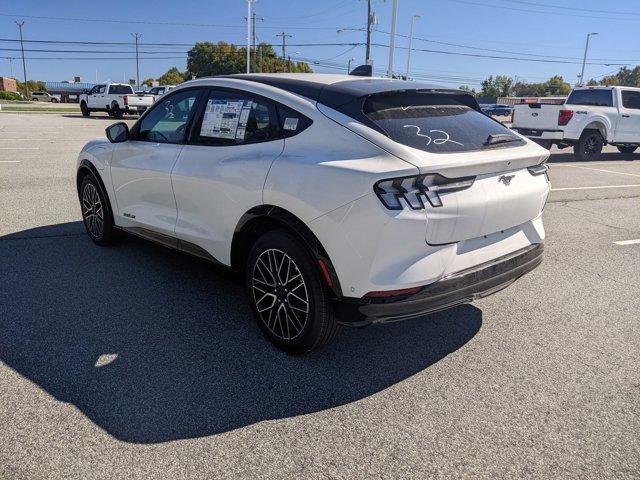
x=436, y=123
x=594, y=97
x=120, y=89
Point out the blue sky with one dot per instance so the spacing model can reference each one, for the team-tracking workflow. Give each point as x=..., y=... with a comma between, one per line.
x=545, y=30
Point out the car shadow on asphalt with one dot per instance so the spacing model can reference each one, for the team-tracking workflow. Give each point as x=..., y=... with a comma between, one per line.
x=99, y=116
x=153, y=345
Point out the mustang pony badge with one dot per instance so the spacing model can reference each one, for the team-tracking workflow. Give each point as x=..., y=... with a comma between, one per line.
x=506, y=179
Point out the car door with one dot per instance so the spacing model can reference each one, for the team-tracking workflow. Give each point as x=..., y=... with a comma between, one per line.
x=141, y=167
x=96, y=97
x=221, y=172
x=629, y=124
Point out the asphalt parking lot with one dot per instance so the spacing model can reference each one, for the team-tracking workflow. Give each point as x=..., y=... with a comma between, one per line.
x=137, y=362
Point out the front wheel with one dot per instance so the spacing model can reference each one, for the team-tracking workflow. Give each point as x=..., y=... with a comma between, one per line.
x=627, y=148
x=96, y=213
x=84, y=109
x=589, y=146
x=289, y=301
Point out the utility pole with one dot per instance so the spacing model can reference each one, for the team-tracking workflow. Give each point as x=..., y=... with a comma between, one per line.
x=254, y=45
x=584, y=59
x=369, y=22
x=24, y=64
x=249, y=3
x=392, y=42
x=284, y=46
x=349, y=65
x=137, y=37
x=413, y=18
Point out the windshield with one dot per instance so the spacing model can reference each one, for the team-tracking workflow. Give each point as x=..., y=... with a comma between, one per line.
x=436, y=123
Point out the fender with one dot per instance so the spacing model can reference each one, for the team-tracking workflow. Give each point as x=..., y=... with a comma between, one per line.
x=86, y=165
x=291, y=223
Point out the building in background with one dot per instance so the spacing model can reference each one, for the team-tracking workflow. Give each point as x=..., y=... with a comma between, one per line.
x=8, y=84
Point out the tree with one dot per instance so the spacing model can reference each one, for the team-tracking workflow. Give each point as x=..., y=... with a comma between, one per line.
x=206, y=59
x=556, y=86
x=33, y=85
x=172, y=77
x=148, y=82
x=500, y=86
x=468, y=89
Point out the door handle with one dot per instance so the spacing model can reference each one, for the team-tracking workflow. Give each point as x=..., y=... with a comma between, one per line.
x=625, y=116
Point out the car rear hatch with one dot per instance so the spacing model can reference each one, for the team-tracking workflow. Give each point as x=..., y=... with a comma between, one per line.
x=476, y=177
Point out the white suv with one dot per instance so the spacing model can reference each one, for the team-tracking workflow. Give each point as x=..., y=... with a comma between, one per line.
x=342, y=200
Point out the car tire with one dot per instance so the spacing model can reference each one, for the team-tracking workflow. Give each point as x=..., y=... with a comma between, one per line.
x=86, y=111
x=96, y=212
x=116, y=111
x=589, y=146
x=54, y=100
x=627, y=148
x=292, y=309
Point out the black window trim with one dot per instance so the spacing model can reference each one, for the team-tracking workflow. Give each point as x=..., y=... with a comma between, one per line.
x=273, y=105
x=133, y=134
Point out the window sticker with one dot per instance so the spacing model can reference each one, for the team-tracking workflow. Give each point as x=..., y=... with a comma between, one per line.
x=226, y=119
x=290, y=123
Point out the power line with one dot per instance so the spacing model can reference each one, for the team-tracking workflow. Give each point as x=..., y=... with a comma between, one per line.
x=548, y=5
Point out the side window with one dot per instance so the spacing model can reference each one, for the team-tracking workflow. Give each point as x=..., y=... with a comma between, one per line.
x=292, y=122
x=167, y=121
x=101, y=88
x=631, y=99
x=231, y=118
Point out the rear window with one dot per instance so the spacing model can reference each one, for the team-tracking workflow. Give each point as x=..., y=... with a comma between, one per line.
x=435, y=123
x=120, y=90
x=631, y=99
x=593, y=97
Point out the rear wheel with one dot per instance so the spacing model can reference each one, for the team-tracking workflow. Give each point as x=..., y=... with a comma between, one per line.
x=84, y=109
x=287, y=294
x=627, y=148
x=54, y=100
x=589, y=147
x=96, y=213
x=116, y=111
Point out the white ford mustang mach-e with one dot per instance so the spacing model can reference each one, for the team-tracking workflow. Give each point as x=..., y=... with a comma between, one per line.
x=340, y=199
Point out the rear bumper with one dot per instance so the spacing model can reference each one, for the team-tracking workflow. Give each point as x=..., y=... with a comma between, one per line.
x=455, y=289
x=541, y=134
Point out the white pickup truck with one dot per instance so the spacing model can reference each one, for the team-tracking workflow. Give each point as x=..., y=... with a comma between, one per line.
x=590, y=118
x=112, y=98
x=138, y=102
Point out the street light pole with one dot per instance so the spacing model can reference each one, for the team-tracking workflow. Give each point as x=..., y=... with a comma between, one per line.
x=413, y=18
x=137, y=36
x=11, y=59
x=584, y=59
x=368, y=50
x=392, y=42
x=24, y=64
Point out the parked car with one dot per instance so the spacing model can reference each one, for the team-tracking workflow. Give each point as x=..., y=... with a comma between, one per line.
x=159, y=91
x=108, y=98
x=43, y=97
x=497, y=109
x=340, y=200
x=590, y=118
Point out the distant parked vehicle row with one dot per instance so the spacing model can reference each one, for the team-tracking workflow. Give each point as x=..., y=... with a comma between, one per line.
x=496, y=109
x=590, y=118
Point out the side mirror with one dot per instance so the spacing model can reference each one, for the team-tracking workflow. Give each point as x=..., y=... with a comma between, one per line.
x=118, y=132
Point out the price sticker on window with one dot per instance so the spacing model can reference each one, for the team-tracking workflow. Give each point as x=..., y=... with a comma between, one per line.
x=290, y=123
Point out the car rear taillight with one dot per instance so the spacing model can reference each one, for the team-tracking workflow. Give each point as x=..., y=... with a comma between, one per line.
x=564, y=116
x=412, y=189
x=125, y=99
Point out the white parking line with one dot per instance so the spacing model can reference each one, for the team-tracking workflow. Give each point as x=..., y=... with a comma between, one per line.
x=606, y=171
x=594, y=188
x=628, y=242
x=19, y=148
x=9, y=161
